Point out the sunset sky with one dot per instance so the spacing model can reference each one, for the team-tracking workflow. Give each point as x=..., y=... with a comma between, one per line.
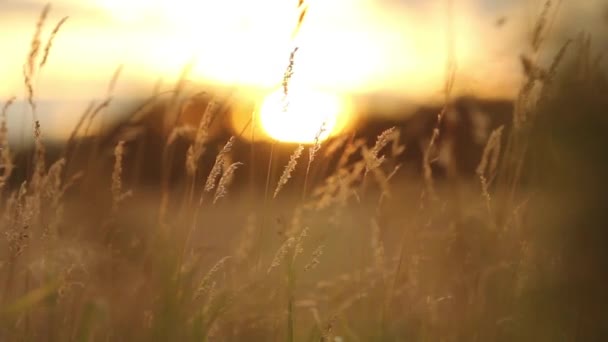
x=346, y=46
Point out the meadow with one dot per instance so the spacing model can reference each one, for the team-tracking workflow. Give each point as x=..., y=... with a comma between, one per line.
x=328, y=241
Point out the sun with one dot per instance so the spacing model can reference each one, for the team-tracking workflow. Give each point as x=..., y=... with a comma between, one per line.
x=302, y=116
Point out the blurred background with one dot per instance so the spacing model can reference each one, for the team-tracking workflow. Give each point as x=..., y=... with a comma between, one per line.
x=387, y=55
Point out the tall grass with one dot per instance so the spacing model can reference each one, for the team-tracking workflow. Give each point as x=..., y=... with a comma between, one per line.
x=515, y=254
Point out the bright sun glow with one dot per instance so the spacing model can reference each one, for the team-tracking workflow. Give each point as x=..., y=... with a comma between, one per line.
x=300, y=119
x=247, y=42
x=367, y=48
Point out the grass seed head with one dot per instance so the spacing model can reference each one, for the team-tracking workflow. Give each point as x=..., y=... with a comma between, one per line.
x=289, y=168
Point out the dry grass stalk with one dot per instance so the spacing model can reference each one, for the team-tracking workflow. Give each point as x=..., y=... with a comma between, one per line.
x=450, y=80
x=42, y=204
x=114, y=79
x=373, y=161
x=382, y=140
x=335, y=144
x=79, y=124
x=287, y=77
x=384, y=187
x=295, y=224
x=172, y=116
x=6, y=106
x=316, y=255
x=426, y=158
x=377, y=247
x=549, y=74
x=29, y=69
x=328, y=331
x=291, y=165
x=29, y=72
x=526, y=102
x=491, y=154
x=207, y=307
x=39, y=157
x=298, y=249
x=531, y=70
x=105, y=103
x=51, y=187
x=372, y=164
x=206, y=283
x=19, y=215
x=396, y=148
x=184, y=131
x=326, y=193
x=486, y=170
x=58, y=203
x=339, y=187
x=18, y=240
x=312, y=152
x=118, y=195
x=303, y=10
x=349, y=151
x=6, y=159
x=119, y=151
x=196, y=150
x=536, y=77
x=288, y=74
x=35, y=44
x=52, y=192
x=49, y=43
x=538, y=33
x=225, y=181
x=557, y=60
x=347, y=183
x=523, y=104
x=216, y=171
x=281, y=253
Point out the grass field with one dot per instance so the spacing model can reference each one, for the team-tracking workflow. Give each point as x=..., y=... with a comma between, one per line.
x=515, y=252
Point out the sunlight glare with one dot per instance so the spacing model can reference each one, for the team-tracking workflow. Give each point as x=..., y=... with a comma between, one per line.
x=244, y=42
x=300, y=121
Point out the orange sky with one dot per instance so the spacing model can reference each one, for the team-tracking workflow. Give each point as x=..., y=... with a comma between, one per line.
x=355, y=45
x=346, y=46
